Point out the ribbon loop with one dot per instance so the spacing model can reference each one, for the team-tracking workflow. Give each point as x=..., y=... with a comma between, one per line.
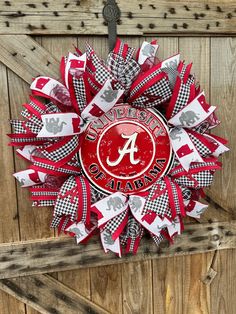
x=184, y=148
x=70, y=123
x=193, y=113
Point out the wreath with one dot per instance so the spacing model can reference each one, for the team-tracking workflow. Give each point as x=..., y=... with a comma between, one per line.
x=120, y=147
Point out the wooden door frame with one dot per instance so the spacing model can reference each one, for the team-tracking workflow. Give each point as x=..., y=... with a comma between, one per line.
x=24, y=265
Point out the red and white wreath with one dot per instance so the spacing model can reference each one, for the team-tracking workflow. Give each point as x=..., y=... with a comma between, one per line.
x=121, y=147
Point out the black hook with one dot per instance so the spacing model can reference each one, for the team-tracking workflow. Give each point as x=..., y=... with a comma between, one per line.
x=111, y=14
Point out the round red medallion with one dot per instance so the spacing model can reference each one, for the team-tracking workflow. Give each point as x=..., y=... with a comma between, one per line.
x=126, y=150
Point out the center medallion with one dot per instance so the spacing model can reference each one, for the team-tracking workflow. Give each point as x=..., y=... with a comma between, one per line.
x=127, y=150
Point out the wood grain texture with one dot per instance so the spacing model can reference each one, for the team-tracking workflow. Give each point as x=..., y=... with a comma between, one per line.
x=137, y=17
x=33, y=222
x=196, y=295
x=137, y=287
x=47, y=295
x=55, y=254
x=26, y=57
x=223, y=72
x=223, y=288
x=9, y=212
x=223, y=94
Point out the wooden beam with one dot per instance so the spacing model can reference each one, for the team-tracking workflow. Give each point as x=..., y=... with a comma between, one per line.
x=57, y=254
x=137, y=17
x=27, y=58
x=47, y=295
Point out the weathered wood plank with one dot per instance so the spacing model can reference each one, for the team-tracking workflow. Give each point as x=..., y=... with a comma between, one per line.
x=33, y=221
x=9, y=212
x=166, y=273
x=47, y=295
x=223, y=94
x=223, y=288
x=223, y=71
x=137, y=17
x=55, y=254
x=106, y=287
x=26, y=57
x=138, y=296
x=195, y=294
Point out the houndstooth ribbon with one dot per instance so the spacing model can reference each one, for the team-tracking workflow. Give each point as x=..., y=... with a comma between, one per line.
x=188, y=145
x=135, y=213
x=72, y=205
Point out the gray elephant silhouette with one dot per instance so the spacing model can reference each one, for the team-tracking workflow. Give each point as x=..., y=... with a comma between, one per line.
x=21, y=181
x=188, y=118
x=175, y=134
x=109, y=94
x=174, y=222
x=114, y=202
x=53, y=126
x=108, y=239
x=136, y=203
x=148, y=50
x=77, y=232
x=159, y=228
x=171, y=64
x=200, y=211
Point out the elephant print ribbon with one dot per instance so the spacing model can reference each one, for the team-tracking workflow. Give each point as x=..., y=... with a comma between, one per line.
x=188, y=145
x=65, y=124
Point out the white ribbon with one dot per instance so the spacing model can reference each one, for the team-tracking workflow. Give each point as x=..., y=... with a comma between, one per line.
x=193, y=114
x=184, y=148
x=30, y=177
x=80, y=231
x=61, y=124
x=174, y=227
x=147, y=50
x=197, y=209
x=171, y=62
x=26, y=151
x=220, y=147
x=51, y=88
x=109, y=244
x=74, y=65
x=70, y=123
x=104, y=100
x=190, y=116
x=115, y=204
x=110, y=206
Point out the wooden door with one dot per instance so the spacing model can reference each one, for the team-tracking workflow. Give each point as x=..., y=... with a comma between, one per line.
x=40, y=273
